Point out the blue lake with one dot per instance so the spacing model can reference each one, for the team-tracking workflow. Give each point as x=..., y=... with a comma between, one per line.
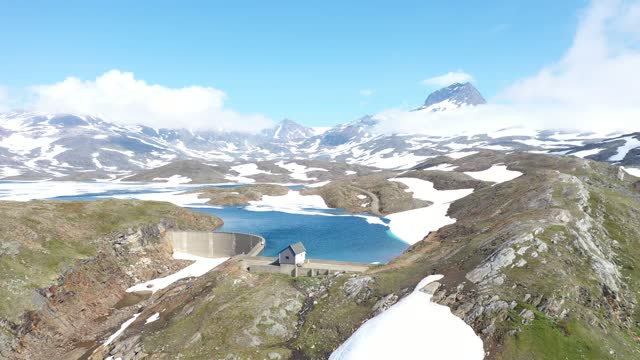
x=339, y=236
x=347, y=238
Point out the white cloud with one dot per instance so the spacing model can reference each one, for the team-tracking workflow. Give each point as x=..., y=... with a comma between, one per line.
x=367, y=92
x=486, y=118
x=600, y=69
x=120, y=97
x=595, y=86
x=448, y=79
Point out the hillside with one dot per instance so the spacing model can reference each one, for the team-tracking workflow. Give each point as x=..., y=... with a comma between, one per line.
x=65, y=265
x=185, y=171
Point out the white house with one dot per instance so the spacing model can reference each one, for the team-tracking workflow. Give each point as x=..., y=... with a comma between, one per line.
x=293, y=254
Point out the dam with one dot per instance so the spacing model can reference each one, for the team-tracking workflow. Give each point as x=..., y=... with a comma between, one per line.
x=247, y=247
x=212, y=244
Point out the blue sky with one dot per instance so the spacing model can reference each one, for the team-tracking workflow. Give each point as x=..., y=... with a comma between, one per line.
x=305, y=60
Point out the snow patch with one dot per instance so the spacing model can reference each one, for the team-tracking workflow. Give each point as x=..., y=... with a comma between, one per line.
x=632, y=171
x=585, y=153
x=298, y=172
x=496, y=173
x=174, y=180
x=413, y=328
x=200, y=267
x=293, y=202
x=152, y=318
x=412, y=226
x=630, y=143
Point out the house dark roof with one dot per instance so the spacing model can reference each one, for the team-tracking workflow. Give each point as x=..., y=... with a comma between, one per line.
x=297, y=248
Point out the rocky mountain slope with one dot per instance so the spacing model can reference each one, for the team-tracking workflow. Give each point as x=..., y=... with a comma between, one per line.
x=64, y=267
x=72, y=146
x=452, y=97
x=622, y=150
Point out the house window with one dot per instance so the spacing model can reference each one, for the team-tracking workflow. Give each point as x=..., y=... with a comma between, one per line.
x=287, y=257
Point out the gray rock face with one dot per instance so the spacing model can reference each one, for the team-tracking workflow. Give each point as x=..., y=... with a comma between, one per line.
x=461, y=94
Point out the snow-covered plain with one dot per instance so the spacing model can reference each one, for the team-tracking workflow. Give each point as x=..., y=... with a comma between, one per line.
x=413, y=328
x=201, y=266
x=496, y=173
x=412, y=226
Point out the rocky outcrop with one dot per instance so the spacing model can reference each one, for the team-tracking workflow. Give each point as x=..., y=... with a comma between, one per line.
x=85, y=298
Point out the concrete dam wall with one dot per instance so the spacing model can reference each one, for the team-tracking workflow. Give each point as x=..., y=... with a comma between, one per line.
x=216, y=244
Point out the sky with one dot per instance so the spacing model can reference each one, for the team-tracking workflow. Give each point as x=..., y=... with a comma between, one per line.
x=247, y=64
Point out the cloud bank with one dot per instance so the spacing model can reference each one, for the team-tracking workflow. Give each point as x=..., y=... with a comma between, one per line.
x=594, y=86
x=602, y=67
x=448, y=79
x=120, y=97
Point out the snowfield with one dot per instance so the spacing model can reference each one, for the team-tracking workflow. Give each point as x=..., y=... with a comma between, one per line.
x=412, y=226
x=245, y=170
x=298, y=172
x=496, y=173
x=293, y=202
x=413, y=328
x=174, y=180
x=632, y=171
x=200, y=267
x=585, y=153
x=630, y=143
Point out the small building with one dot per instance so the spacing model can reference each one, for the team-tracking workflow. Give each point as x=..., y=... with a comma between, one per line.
x=293, y=254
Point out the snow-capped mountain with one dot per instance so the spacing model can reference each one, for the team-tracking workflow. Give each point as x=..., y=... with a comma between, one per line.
x=452, y=97
x=38, y=146
x=622, y=150
x=289, y=131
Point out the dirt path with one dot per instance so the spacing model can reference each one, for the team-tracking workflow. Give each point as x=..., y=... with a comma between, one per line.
x=375, y=202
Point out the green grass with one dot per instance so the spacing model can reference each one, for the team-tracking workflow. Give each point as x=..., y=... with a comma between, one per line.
x=50, y=236
x=546, y=338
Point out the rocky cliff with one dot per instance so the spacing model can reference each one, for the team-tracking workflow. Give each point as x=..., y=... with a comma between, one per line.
x=65, y=267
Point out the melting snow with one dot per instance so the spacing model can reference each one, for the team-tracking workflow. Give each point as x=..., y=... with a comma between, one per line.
x=123, y=327
x=293, y=202
x=413, y=328
x=6, y=171
x=412, y=226
x=630, y=143
x=496, y=173
x=245, y=170
x=632, y=171
x=152, y=318
x=585, y=153
x=200, y=267
x=174, y=180
x=460, y=154
x=298, y=172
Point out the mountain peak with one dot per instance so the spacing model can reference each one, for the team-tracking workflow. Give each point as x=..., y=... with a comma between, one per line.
x=453, y=96
x=289, y=130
